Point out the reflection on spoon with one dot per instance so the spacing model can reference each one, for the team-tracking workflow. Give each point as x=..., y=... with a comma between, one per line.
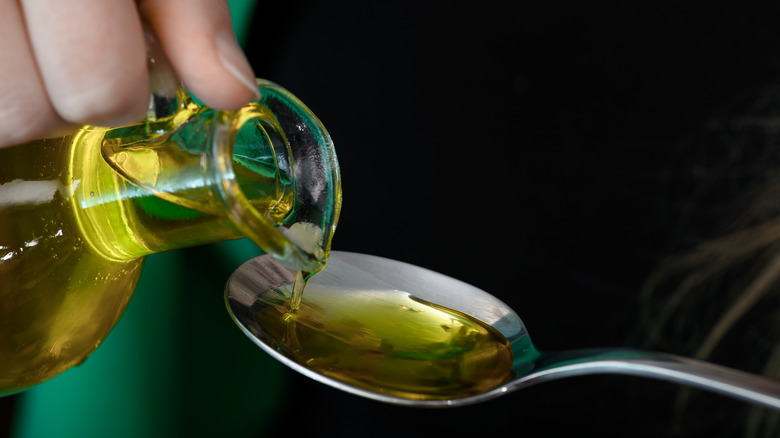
x=402, y=334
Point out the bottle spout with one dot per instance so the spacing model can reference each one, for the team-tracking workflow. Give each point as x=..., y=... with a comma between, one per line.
x=269, y=167
x=279, y=132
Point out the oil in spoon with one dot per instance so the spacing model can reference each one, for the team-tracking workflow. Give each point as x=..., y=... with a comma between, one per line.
x=385, y=341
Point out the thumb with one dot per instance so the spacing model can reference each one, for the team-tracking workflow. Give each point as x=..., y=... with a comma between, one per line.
x=197, y=37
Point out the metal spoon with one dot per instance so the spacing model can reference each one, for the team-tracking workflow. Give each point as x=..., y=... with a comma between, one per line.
x=353, y=273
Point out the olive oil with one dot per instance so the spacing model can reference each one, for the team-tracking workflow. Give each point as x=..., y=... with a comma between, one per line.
x=298, y=286
x=79, y=213
x=386, y=341
x=59, y=294
x=74, y=234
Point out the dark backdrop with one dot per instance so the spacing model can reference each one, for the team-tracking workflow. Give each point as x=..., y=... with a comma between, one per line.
x=520, y=147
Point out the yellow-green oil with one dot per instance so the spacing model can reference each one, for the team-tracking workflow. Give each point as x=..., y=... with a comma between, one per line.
x=59, y=297
x=387, y=342
x=73, y=233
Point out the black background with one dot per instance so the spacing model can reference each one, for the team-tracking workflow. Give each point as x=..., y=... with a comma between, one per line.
x=520, y=147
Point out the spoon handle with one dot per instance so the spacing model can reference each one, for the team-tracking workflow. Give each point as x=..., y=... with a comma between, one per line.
x=703, y=375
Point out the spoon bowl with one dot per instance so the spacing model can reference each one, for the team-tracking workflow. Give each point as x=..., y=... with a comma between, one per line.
x=353, y=277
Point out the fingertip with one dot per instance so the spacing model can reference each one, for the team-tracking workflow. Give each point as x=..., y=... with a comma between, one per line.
x=234, y=62
x=199, y=42
x=25, y=110
x=111, y=104
x=92, y=62
x=22, y=125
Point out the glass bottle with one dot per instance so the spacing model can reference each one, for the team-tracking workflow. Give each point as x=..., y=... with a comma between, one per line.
x=79, y=213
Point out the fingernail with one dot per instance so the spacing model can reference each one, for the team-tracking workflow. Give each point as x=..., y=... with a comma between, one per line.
x=234, y=61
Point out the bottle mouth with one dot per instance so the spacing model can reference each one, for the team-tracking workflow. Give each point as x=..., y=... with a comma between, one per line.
x=270, y=167
x=281, y=185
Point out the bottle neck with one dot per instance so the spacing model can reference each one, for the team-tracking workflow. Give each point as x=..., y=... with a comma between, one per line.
x=195, y=175
x=124, y=221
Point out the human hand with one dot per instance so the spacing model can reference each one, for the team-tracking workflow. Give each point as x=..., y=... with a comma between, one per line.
x=67, y=63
